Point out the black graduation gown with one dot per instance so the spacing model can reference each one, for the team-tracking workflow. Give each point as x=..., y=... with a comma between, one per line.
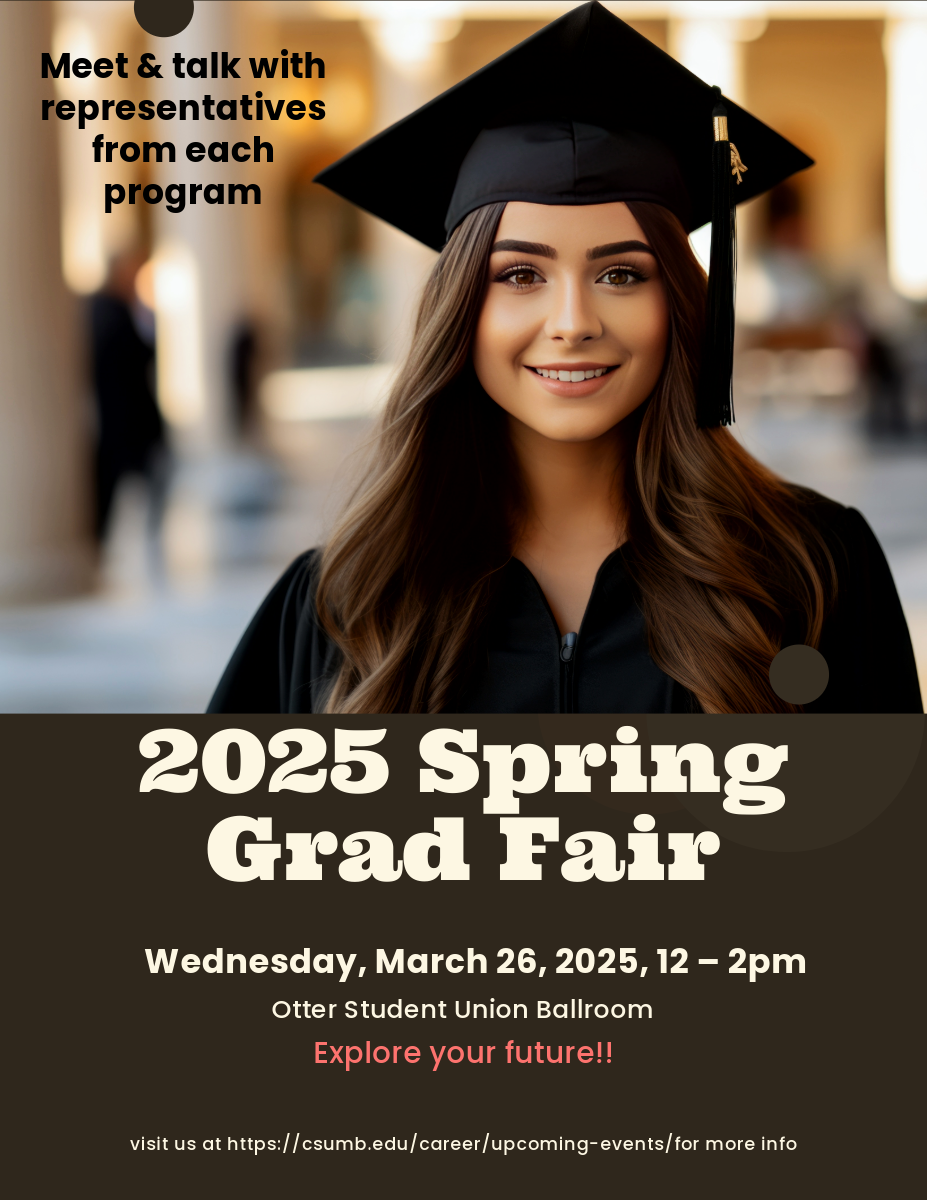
x=283, y=661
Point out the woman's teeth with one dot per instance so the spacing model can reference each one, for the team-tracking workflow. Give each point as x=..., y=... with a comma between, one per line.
x=570, y=376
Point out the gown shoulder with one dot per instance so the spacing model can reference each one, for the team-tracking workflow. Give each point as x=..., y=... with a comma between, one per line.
x=282, y=659
x=865, y=640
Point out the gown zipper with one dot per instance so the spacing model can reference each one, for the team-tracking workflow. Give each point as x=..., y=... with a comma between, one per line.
x=567, y=650
x=568, y=642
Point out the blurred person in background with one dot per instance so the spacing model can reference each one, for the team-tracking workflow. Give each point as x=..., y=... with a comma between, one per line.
x=802, y=299
x=244, y=393
x=130, y=428
x=887, y=415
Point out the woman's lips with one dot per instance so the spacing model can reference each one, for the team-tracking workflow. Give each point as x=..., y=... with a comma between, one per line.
x=572, y=379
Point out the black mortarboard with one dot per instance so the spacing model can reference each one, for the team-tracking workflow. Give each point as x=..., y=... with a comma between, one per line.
x=583, y=112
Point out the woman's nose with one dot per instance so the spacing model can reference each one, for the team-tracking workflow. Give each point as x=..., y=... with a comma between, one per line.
x=573, y=317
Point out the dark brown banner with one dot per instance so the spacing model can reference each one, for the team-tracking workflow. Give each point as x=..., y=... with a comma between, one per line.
x=443, y=953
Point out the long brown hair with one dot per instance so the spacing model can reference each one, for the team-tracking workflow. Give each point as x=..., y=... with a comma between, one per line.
x=723, y=557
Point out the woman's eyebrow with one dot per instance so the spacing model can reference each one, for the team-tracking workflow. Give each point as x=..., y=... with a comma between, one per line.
x=537, y=248
x=616, y=248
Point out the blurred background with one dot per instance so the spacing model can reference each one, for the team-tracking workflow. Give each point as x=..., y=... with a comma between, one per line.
x=181, y=394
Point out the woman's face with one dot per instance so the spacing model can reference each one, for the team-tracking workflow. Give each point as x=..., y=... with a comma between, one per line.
x=572, y=334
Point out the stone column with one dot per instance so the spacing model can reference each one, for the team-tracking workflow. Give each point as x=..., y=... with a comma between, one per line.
x=410, y=65
x=45, y=550
x=199, y=253
x=91, y=237
x=906, y=150
x=708, y=37
x=710, y=46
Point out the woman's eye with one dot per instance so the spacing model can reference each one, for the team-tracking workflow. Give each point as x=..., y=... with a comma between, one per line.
x=521, y=277
x=620, y=277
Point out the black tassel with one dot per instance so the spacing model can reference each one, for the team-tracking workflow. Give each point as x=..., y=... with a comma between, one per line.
x=715, y=401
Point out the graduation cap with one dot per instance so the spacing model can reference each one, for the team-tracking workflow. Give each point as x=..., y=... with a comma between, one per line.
x=585, y=111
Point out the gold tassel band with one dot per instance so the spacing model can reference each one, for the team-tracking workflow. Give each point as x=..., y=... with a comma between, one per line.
x=720, y=124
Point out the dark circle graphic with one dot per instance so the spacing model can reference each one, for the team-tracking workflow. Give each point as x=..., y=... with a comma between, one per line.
x=164, y=18
x=799, y=674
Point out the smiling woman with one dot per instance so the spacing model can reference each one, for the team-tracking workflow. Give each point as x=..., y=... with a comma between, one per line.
x=555, y=518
